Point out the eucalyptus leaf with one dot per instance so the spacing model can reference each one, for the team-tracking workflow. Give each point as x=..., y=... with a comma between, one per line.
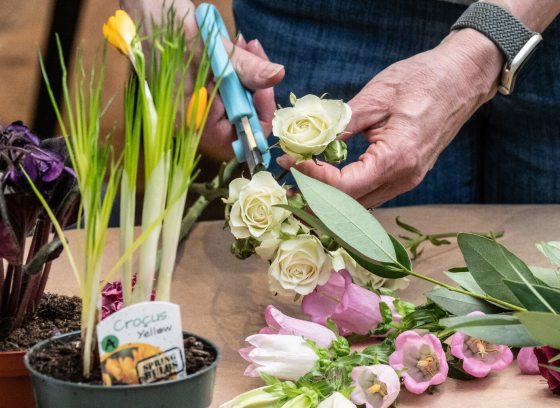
x=548, y=276
x=459, y=304
x=497, y=329
x=489, y=263
x=458, y=269
x=551, y=250
x=533, y=303
x=545, y=327
x=347, y=218
x=466, y=281
x=389, y=271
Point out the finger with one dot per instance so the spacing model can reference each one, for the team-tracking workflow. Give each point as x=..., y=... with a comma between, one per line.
x=255, y=72
x=241, y=42
x=263, y=98
x=356, y=179
x=369, y=110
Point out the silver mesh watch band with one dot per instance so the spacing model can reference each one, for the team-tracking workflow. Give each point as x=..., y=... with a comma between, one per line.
x=515, y=40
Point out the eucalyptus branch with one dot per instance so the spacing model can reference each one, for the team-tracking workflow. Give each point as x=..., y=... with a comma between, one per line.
x=217, y=184
x=413, y=243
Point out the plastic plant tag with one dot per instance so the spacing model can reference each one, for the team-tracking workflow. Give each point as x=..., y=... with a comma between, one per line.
x=142, y=344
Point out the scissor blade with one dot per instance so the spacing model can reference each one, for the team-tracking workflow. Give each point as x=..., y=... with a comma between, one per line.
x=253, y=155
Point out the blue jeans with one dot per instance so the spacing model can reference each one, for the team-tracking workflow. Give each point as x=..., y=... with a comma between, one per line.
x=508, y=152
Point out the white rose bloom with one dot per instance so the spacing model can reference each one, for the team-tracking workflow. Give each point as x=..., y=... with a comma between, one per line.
x=299, y=266
x=336, y=400
x=310, y=125
x=253, y=213
x=360, y=276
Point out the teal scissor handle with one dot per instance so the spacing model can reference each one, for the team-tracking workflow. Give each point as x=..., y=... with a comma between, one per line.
x=238, y=101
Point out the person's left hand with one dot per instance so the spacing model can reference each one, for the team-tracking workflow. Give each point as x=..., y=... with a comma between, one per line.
x=409, y=113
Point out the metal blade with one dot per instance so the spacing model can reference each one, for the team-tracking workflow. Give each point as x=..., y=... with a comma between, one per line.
x=253, y=155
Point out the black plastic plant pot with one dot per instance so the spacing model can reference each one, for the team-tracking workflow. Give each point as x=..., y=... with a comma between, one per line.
x=194, y=391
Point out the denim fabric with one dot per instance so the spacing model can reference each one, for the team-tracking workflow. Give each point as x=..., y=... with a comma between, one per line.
x=509, y=152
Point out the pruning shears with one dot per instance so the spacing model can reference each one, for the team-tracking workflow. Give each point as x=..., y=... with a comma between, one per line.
x=251, y=145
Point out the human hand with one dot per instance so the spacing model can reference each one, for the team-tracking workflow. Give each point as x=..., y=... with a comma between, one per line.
x=252, y=65
x=409, y=113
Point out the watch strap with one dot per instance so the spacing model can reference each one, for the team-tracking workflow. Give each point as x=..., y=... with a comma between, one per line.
x=499, y=25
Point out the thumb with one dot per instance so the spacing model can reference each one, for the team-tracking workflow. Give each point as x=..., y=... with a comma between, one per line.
x=254, y=71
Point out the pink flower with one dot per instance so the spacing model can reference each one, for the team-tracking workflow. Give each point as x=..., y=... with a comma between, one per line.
x=422, y=360
x=544, y=355
x=284, y=356
x=353, y=308
x=527, y=361
x=279, y=323
x=376, y=386
x=479, y=357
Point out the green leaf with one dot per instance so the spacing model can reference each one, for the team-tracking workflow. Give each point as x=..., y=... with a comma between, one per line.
x=489, y=263
x=466, y=281
x=347, y=218
x=551, y=250
x=385, y=270
x=532, y=302
x=545, y=327
x=459, y=304
x=407, y=227
x=48, y=252
x=548, y=276
x=497, y=329
x=458, y=269
x=389, y=271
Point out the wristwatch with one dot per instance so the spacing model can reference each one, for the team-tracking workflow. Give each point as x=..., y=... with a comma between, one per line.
x=517, y=42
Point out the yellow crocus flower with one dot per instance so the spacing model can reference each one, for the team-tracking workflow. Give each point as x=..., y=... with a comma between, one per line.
x=200, y=98
x=119, y=30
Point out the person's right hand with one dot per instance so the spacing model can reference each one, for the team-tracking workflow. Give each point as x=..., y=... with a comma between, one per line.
x=252, y=65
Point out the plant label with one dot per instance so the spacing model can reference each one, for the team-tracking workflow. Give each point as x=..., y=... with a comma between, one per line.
x=142, y=344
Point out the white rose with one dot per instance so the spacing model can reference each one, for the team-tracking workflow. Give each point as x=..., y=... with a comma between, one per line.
x=299, y=266
x=253, y=213
x=361, y=276
x=291, y=227
x=310, y=125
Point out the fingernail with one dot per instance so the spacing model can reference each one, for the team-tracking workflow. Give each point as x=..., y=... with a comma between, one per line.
x=270, y=70
x=283, y=161
x=258, y=44
x=241, y=39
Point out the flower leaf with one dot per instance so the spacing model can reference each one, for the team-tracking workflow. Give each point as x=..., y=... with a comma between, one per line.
x=497, y=329
x=548, y=276
x=545, y=327
x=527, y=297
x=551, y=250
x=48, y=252
x=466, y=281
x=348, y=219
x=459, y=304
x=489, y=263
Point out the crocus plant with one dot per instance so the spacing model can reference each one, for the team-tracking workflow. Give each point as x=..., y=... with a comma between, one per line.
x=24, y=155
x=160, y=116
x=325, y=249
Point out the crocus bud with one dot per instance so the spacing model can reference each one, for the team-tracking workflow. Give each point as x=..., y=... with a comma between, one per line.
x=119, y=30
x=335, y=152
x=197, y=107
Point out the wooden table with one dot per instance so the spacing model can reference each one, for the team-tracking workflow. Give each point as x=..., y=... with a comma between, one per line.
x=223, y=298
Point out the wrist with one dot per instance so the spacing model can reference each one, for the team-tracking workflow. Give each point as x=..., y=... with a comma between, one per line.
x=481, y=60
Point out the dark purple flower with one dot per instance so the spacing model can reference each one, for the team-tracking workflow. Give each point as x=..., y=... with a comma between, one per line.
x=544, y=355
x=17, y=134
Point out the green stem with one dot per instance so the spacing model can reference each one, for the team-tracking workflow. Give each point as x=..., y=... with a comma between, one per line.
x=466, y=292
x=202, y=202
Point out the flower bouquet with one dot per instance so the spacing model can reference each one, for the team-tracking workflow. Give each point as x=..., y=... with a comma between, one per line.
x=24, y=269
x=325, y=249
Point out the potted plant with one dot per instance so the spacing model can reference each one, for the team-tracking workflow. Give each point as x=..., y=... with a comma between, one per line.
x=24, y=269
x=158, y=118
